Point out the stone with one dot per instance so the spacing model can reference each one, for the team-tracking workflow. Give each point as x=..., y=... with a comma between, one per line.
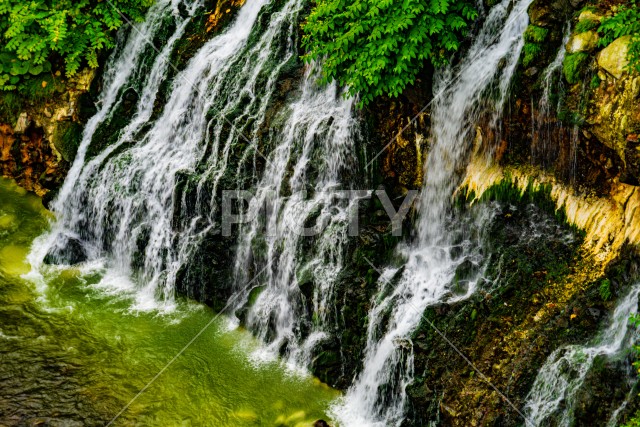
x=531, y=71
x=587, y=15
x=583, y=42
x=613, y=58
x=22, y=124
x=540, y=14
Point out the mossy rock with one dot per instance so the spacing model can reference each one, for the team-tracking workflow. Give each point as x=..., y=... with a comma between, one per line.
x=583, y=42
x=67, y=138
x=614, y=58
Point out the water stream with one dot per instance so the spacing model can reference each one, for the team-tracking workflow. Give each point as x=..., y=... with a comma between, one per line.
x=479, y=83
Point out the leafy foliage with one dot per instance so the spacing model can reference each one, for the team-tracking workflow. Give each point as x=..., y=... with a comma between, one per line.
x=625, y=22
x=378, y=47
x=39, y=36
x=586, y=25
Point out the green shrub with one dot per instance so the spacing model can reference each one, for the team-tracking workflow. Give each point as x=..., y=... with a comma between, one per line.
x=625, y=22
x=573, y=66
x=41, y=36
x=378, y=47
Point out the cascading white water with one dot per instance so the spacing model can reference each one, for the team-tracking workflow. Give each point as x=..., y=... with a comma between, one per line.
x=553, y=395
x=478, y=84
x=121, y=204
x=124, y=65
x=315, y=144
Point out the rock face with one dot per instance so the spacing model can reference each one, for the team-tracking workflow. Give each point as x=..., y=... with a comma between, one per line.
x=38, y=147
x=613, y=116
x=30, y=159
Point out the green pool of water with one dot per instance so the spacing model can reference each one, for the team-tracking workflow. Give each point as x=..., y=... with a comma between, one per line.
x=74, y=353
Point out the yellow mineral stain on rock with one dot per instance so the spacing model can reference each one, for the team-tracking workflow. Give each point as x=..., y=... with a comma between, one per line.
x=608, y=222
x=222, y=8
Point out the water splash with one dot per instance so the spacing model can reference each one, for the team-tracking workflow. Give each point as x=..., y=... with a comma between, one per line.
x=478, y=84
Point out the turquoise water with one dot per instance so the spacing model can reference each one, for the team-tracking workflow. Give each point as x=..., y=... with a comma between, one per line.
x=74, y=352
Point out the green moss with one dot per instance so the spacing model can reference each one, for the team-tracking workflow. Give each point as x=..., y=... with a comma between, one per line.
x=531, y=52
x=605, y=289
x=533, y=38
x=535, y=34
x=574, y=66
x=254, y=294
x=67, y=138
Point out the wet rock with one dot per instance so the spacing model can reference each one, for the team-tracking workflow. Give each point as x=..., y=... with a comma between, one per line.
x=531, y=71
x=613, y=58
x=583, y=42
x=588, y=15
x=22, y=124
x=68, y=250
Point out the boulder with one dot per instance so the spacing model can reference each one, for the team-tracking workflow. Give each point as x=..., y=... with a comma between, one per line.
x=613, y=58
x=583, y=42
x=588, y=15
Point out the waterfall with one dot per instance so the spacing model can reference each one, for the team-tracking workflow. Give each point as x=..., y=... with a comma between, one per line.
x=542, y=128
x=547, y=128
x=479, y=83
x=123, y=205
x=316, y=144
x=553, y=395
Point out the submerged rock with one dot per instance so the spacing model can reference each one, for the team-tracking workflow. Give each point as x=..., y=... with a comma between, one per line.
x=68, y=250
